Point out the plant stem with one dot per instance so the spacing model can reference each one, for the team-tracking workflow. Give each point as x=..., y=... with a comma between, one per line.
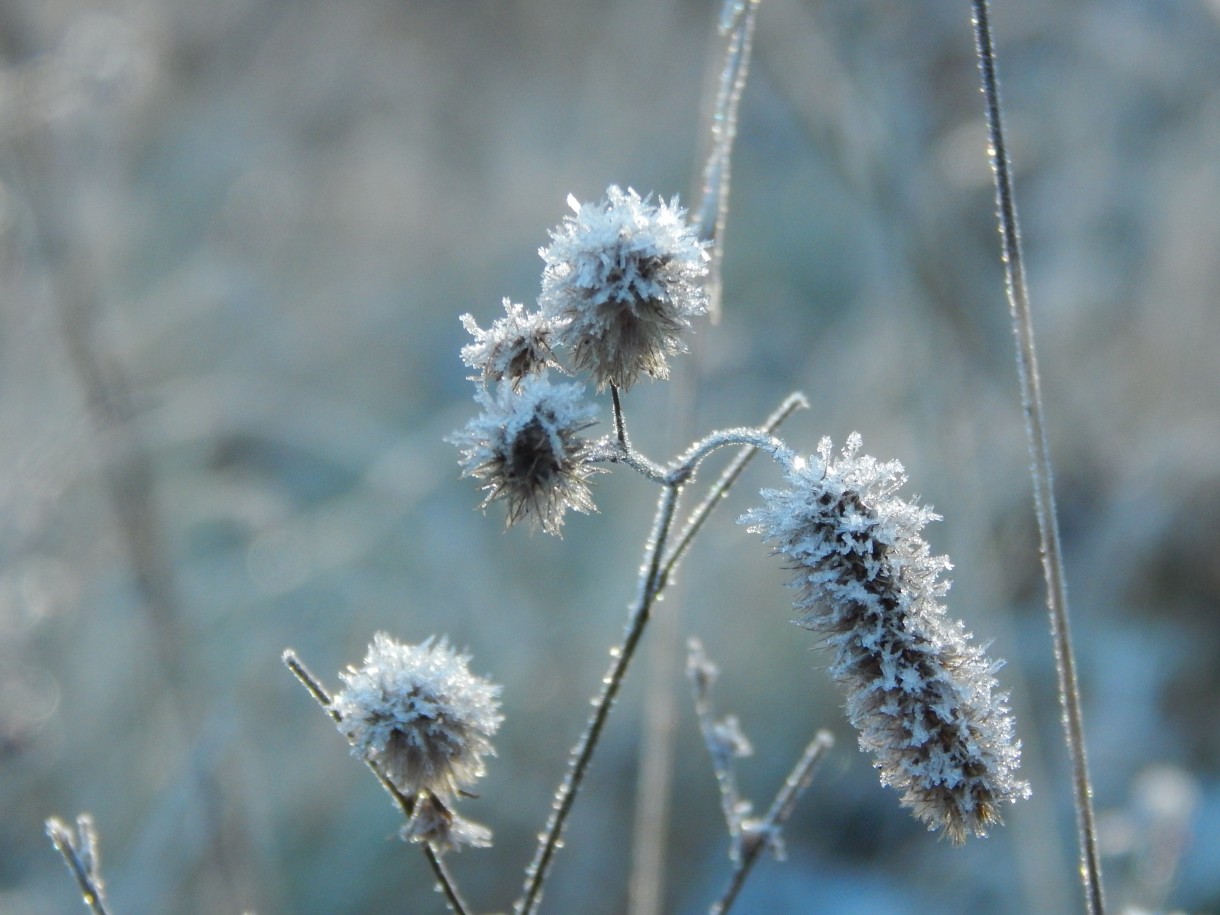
x=1044, y=496
x=445, y=881
x=582, y=755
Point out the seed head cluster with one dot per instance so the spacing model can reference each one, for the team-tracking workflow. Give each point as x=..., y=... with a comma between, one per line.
x=920, y=694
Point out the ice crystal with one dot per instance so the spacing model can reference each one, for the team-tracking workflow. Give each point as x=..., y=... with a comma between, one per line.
x=621, y=282
x=920, y=694
x=515, y=346
x=419, y=715
x=526, y=448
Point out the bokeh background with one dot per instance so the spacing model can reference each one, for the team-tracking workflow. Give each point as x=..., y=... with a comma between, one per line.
x=235, y=240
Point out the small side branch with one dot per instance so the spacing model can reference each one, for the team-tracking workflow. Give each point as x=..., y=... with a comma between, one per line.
x=445, y=881
x=764, y=834
x=737, y=25
x=81, y=854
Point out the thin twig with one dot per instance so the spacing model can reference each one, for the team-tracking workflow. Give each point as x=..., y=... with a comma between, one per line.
x=702, y=674
x=764, y=834
x=620, y=425
x=582, y=755
x=737, y=23
x=1044, y=496
x=82, y=861
x=445, y=881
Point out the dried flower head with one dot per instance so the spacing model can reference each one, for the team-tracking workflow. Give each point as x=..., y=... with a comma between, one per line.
x=919, y=693
x=621, y=282
x=441, y=827
x=526, y=447
x=515, y=346
x=419, y=715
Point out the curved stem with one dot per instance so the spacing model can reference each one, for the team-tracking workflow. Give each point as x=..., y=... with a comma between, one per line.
x=1044, y=496
x=80, y=854
x=582, y=755
x=720, y=488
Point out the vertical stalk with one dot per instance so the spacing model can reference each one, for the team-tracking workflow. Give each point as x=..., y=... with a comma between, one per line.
x=1044, y=497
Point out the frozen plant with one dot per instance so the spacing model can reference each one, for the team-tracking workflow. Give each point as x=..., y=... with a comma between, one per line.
x=419, y=715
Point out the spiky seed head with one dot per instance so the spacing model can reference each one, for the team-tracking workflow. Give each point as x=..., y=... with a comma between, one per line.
x=419, y=715
x=526, y=448
x=920, y=694
x=621, y=283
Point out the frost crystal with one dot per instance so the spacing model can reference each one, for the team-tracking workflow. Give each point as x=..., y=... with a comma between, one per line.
x=919, y=693
x=515, y=346
x=527, y=449
x=419, y=715
x=621, y=282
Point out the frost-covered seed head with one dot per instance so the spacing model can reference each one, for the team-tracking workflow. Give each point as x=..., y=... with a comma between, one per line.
x=526, y=448
x=515, y=346
x=918, y=692
x=419, y=715
x=621, y=282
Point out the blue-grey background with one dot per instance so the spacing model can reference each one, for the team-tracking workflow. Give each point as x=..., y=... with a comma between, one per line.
x=235, y=239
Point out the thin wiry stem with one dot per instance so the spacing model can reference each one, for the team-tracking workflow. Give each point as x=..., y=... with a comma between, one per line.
x=702, y=673
x=761, y=835
x=582, y=755
x=445, y=881
x=80, y=854
x=1044, y=496
x=737, y=23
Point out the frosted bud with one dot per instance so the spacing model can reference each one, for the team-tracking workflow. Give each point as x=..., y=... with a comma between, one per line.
x=621, y=282
x=526, y=448
x=515, y=346
x=419, y=715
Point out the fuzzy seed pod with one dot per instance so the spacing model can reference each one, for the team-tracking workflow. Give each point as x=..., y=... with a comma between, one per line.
x=419, y=715
x=621, y=282
x=526, y=448
x=920, y=694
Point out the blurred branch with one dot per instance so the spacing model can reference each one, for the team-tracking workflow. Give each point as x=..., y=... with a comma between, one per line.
x=82, y=855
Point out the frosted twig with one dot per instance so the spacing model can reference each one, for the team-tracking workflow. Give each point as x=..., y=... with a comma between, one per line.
x=1044, y=496
x=765, y=833
x=80, y=853
x=737, y=23
x=723, y=740
x=406, y=804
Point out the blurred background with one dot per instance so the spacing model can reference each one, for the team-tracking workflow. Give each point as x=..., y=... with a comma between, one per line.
x=235, y=240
